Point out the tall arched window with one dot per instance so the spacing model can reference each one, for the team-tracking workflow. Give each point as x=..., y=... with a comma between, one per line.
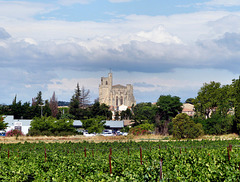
x=106, y=82
x=116, y=100
x=121, y=100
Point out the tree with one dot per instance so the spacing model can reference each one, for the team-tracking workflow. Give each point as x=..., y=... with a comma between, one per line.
x=236, y=94
x=3, y=125
x=74, y=106
x=54, y=105
x=167, y=108
x=85, y=97
x=207, y=99
x=184, y=127
x=39, y=100
x=225, y=101
x=94, y=124
x=98, y=109
x=63, y=126
x=217, y=124
x=78, y=103
x=46, y=110
x=190, y=101
x=51, y=126
x=16, y=110
x=116, y=118
x=126, y=114
x=14, y=100
x=144, y=112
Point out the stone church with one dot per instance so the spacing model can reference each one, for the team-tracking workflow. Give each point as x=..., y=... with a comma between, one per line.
x=115, y=96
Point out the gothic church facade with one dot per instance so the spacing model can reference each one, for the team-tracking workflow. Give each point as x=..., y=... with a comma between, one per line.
x=115, y=95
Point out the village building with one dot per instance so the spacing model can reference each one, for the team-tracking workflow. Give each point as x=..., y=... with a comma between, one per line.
x=188, y=109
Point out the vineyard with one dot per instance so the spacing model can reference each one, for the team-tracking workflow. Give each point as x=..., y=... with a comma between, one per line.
x=129, y=161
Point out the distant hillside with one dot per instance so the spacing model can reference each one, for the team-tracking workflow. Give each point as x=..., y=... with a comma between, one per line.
x=63, y=103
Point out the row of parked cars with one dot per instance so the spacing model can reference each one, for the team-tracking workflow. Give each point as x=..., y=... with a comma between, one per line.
x=106, y=132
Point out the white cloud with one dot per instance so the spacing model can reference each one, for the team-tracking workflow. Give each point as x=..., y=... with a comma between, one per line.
x=227, y=3
x=158, y=35
x=34, y=53
x=70, y=2
x=22, y=10
x=65, y=87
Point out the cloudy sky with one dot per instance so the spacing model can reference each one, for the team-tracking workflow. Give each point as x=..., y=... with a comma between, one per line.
x=161, y=47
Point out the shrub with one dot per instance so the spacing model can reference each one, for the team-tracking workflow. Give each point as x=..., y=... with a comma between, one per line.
x=14, y=133
x=47, y=133
x=217, y=124
x=184, y=127
x=33, y=132
x=141, y=129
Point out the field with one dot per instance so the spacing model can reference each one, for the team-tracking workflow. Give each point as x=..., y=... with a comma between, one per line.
x=148, y=159
x=97, y=139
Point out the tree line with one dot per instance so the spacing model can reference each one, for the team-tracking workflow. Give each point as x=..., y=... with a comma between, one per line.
x=217, y=111
x=79, y=107
x=216, y=107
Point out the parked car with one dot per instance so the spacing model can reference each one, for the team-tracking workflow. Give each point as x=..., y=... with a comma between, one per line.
x=85, y=133
x=119, y=133
x=107, y=133
x=2, y=133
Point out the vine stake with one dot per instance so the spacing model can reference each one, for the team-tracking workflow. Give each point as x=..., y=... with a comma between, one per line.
x=110, y=164
x=45, y=155
x=160, y=172
x=141, y=154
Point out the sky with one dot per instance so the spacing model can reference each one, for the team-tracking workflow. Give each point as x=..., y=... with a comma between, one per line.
x=160, y=47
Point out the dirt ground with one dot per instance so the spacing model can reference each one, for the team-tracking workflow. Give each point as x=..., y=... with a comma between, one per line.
x=97, y=139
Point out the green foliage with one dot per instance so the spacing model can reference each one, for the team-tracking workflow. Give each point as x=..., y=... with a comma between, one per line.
x=94, y=124
x=184, y=127
x=25, y=110
x=217, y=124
x=144, y=112
x=51, y=126
x=63, y=125
x=208, y=98
x=142, y=129
x=126, y=114
x=75, y=104
x=67, y=116
x=181, y=161
x=37, y=100
x=236, y=93
x=98, y=109
x=3, y=125
x=167, y=108
x=190, y=100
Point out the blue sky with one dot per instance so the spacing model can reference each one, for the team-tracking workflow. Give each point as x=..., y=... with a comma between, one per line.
x=161, y=47
x=103, y=10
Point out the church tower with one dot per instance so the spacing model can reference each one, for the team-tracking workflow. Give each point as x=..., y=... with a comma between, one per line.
x=105, y=88
x=115, y=95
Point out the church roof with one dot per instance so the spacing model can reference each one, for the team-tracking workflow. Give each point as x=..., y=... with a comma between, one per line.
x=118, y=86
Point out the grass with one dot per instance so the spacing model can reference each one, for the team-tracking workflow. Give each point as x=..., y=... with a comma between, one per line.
x=97, y=139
